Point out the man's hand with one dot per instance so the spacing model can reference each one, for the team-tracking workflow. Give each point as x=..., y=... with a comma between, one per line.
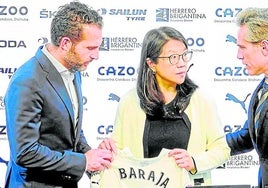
x=98, y=159
x=108, y=144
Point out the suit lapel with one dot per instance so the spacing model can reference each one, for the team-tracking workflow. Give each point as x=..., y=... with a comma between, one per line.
x=58, y=84
x=54, y=78
x=252, y=108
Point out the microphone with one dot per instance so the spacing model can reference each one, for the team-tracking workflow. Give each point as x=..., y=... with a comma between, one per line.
x=190, y=67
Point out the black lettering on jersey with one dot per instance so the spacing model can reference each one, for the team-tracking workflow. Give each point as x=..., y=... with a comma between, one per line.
x=157, y=178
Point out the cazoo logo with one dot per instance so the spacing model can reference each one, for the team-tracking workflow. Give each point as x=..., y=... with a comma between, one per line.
x=116, y=71
x=105, y=129
x=198, y=41
x=13, y=10
x=229, y=128
x=3, y=130
x=228, y=12
x=231, y=71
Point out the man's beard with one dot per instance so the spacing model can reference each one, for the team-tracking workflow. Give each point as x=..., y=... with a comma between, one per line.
x=73, y=67
x=71, y=61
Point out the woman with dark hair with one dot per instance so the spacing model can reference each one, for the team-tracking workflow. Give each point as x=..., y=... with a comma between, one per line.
x=168, y=110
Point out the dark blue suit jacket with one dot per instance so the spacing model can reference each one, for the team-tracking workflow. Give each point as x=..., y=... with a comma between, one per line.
x=45, y=151
x=245, y=139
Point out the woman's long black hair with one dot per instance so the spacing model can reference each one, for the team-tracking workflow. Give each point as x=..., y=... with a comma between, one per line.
x=151, y=98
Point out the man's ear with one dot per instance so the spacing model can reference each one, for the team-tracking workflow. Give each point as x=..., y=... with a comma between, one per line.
x=65, y=43
x=264, y=44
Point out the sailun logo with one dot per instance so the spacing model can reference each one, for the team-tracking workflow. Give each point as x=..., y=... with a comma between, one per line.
x=128, y=14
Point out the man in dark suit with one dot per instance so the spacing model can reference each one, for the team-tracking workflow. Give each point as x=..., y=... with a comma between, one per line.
x=252, y=42
x=44, y=106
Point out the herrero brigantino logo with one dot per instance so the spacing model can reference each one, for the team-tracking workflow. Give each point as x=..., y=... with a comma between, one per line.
x=179, y=15
x=120, y=44
x=156, y=178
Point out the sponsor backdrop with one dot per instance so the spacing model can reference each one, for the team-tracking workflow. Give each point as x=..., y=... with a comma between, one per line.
x=210, y=31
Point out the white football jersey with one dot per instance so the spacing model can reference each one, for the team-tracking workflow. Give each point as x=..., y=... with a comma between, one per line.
x=127, y=171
